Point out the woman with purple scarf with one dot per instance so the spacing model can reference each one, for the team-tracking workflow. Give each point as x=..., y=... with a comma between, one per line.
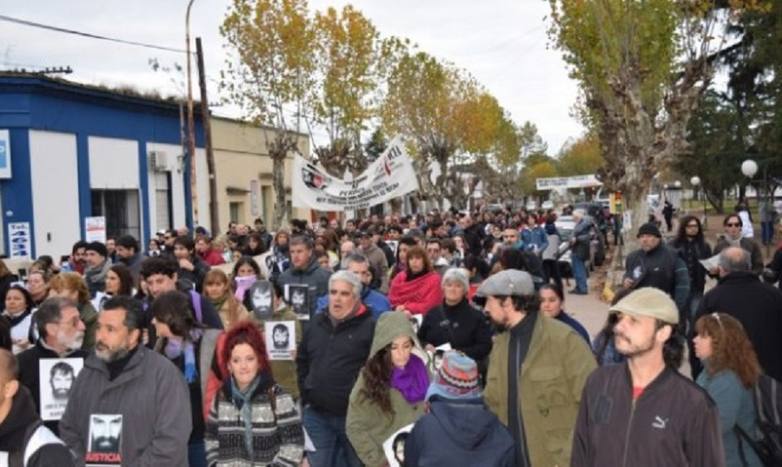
x=191, y=348
x=390, y=391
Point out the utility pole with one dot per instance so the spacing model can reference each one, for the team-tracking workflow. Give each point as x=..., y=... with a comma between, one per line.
x=210, y=156
x=190, y=123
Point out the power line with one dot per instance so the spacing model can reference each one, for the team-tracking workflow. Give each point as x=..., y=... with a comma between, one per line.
x=86, y=34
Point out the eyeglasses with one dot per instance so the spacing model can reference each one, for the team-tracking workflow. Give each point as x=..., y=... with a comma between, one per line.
x=732, y=224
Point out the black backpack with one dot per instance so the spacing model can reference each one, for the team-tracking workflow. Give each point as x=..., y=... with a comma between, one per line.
x=767, y=395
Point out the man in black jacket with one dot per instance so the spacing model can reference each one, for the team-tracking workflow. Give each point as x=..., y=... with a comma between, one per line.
x=62, y=333
x=656, y=265
x=304, y=271
x=643, y=412
x=334, y=348
x=24, y=441
x=758, y=306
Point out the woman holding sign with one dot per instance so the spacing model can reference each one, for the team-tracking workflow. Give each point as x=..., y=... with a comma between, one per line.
x=267, y=430
x=390, y=390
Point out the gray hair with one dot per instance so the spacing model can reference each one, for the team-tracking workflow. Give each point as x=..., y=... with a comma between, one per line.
x=50, y=311
x=579, y=212
x=734, y=259
x=456, y=275
x=350, y=278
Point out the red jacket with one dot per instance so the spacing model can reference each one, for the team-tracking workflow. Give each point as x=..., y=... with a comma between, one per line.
x=418, y=295
x=212, y=257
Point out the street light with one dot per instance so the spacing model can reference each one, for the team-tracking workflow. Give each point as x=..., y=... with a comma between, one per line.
x=695, y=182
x=749, y=168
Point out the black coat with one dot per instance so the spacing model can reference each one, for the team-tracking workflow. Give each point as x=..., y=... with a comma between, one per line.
x=30, y=377
x=691, y=252
x=461, y=325
x=758, y=307
x=329, y=358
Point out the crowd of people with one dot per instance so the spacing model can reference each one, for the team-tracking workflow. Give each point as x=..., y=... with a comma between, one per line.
x=427, y=340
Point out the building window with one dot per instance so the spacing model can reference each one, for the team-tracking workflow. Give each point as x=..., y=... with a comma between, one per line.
x=164, y=210
x=266, y=199
x=235, y=211
x=121, y=210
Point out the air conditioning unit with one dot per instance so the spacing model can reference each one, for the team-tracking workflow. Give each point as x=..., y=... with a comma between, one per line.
x=158, y=161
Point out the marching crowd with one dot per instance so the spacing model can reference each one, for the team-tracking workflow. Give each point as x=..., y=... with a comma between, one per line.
x=429, y=340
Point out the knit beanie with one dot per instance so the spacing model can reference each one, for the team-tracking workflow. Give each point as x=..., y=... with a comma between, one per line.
x=457, y=378
x=649, y=228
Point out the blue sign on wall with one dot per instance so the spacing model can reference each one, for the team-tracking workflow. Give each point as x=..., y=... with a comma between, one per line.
x=5, y=154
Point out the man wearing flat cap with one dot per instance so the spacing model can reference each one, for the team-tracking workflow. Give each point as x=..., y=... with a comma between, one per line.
x=537, y=368
x=643, y=412
x=656, y=265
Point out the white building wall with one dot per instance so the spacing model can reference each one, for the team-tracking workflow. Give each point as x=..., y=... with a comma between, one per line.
x=113, y=163
x=55, y=187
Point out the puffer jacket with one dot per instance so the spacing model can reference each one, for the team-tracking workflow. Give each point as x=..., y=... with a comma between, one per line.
x=367, y=425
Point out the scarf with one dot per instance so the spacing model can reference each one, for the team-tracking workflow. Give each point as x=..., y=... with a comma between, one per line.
x=219, y=302
x=177, y=346
x=242, y=284
x=16, y=319
x=243, y=401
x=412, y=380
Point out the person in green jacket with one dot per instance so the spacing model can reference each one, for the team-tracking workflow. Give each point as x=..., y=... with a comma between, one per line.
x=537, y=370
x=390, y=391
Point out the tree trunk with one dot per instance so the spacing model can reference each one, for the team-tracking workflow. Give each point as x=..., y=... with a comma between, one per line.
x=278, y=149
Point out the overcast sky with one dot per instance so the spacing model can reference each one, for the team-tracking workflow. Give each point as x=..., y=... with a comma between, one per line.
x=503, y=43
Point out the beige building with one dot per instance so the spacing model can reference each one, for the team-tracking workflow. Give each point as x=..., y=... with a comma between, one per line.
x=245, y=188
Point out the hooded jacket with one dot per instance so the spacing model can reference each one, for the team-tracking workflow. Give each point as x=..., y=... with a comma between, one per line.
x=673, y=423
x=153, y=399
x=315, y=277
x=26, y=441
x=367, y=425
x=330, y=357
x=459, y=432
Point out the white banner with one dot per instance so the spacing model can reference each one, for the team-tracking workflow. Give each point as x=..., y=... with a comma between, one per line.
x=390, y=176
x=577, y=181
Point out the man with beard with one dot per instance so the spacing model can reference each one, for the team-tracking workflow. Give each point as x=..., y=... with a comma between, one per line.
x=125, y=379
x=643, y=411
x=61, y=335
x=537, y=368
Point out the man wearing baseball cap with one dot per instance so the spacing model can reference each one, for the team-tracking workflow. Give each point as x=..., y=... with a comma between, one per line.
x=655, y=264
x=643, y=412
x=537, y=368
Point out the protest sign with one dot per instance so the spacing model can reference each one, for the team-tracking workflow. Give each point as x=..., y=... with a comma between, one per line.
x=394, y=446
x=298, y=296
x=280, y=339
x=56, y=377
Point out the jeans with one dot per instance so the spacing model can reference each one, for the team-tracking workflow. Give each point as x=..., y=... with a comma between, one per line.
x=579, y=273
x=332, y=448
x=196, y=453
x=767, y=232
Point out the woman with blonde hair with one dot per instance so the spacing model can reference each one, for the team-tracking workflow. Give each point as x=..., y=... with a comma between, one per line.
x=217, y=288
x=71, y=285
x=731, y=370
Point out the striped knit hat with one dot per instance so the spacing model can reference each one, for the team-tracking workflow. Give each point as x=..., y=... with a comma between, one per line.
x=457, y=378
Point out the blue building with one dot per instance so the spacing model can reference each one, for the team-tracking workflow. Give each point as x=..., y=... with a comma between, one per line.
x=70, y=151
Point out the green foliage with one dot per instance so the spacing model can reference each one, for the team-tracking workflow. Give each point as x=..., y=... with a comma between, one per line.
x=582, y=157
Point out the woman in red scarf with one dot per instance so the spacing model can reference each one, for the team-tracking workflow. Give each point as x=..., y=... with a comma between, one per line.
x=416, y=290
